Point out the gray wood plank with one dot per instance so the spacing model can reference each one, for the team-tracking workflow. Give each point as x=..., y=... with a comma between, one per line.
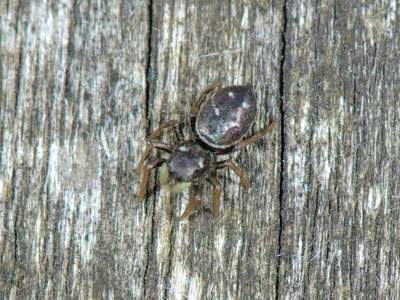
x=340, y=234
x=192, y=45
x=72, y=95
x=82, y=83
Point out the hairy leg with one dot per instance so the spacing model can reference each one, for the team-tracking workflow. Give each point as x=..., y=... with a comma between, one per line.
x=230, y=164
x=149, y=149
x=170, y=125
x=146, y=171
x=258, y=135
x=217, y=194
x=196, y=105
x=194, y=202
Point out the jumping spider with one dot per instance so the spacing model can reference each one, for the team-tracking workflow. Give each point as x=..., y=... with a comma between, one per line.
x=219, y=118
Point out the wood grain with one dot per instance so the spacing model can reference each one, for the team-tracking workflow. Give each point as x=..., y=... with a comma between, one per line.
x=83, y=83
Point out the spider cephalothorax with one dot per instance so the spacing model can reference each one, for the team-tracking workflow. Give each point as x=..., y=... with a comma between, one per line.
x=190, y=162
x=220, y=118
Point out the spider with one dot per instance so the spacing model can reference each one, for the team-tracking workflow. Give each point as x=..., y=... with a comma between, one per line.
x=219, y=118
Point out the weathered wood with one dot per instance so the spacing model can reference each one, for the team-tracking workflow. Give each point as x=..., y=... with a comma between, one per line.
x=340, y=235
x=82, y=83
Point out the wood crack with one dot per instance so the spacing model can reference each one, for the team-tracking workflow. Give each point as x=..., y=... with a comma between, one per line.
x=170, y=257
x=282, y=178
x=148, y=66
x=66, y=93
x=20, y=57
x=150, y=245
x=354, y=218
x=13, y=278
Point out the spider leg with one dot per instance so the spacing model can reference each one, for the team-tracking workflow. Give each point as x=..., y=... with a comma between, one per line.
x=230, y=164
x=146, y=171
x=150, y=147
x=217, y=194
x=173, y=124
x=193, y=202
x=215, y=85
x=258, y=135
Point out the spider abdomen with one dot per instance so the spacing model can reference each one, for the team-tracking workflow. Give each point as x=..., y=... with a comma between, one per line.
x=226, y=116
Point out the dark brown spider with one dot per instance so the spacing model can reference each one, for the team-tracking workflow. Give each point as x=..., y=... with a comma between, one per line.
x=219, y=119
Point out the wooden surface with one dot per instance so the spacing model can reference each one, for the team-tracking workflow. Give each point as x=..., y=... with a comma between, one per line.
x=82, y=83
